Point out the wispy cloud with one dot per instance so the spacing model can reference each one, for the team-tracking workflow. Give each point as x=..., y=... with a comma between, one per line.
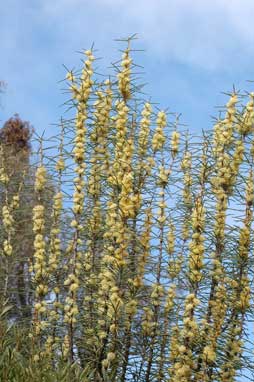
x=214, y=36
x=211, y=33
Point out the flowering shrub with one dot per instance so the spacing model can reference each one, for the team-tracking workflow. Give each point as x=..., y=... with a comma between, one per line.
x=141, y=264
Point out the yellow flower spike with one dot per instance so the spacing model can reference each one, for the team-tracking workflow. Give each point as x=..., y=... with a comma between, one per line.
x=7, y=247
x=40, y=178
x=144, y=129
x=39, y=269
x=7, y=218
x=60, y=165
x=175, y=138
x=123, y=76
x=163, y=176
x=75, y=255
x=159, y=138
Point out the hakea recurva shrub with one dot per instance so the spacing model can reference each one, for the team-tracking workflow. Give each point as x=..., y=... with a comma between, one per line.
x=144, y=272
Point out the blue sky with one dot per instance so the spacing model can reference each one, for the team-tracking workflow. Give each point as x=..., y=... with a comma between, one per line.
x=194, y=50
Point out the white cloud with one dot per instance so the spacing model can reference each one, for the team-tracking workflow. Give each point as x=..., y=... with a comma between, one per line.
x=37, y=36
x=207, y=33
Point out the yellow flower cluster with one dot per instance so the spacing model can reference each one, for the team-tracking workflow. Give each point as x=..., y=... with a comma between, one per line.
x=109, y=300
x=80, y=139
x=174, y=345
x=175, y=266
x=210, y=331
x=186, y=161
x=108, y=360
x=121, y=124
x=175, y=139
x=187, y=178
x=103, y=107
x=38, y=218
x=233, y=350
x=39, y=267
x=49, y=346
x=246, y=125
x=159, y=138
x=224, y=129
x=82, y=98
x=245, y=295
x=125, y=203
x=70, y=77
x=227, y=170
x=7, y=247
x=221, y=186
x=70, y=307
x=40, y=307
x=224, y=171
x=121, y=173
x=3, y=176
x=144, y=129
x=98, y=136
x=119, y=166
x=60, y=165
x=82, y=92
x=148, y=323
x=106, y=284
x=209, y=354
x=250, y=190
x=7, y=218
x=174, y=263
x=163, y=176
x=120, y=235
x=115, y=303
x=218, y=309
x=186, y=166
x=244, y=242
x=15, y=202
x=184, y=363
x=238, y=157
x=157, y=292
x=58, y=203
x=182, y=372
x=219, y=227
x=124, y=79
x=170, y=301
x=40, y=178
x=131, y=307
x=66, y=346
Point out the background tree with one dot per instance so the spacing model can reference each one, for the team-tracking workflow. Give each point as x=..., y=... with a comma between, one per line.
x=17, y=200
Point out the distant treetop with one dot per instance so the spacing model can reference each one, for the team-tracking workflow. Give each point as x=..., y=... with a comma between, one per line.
x=16, y=132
